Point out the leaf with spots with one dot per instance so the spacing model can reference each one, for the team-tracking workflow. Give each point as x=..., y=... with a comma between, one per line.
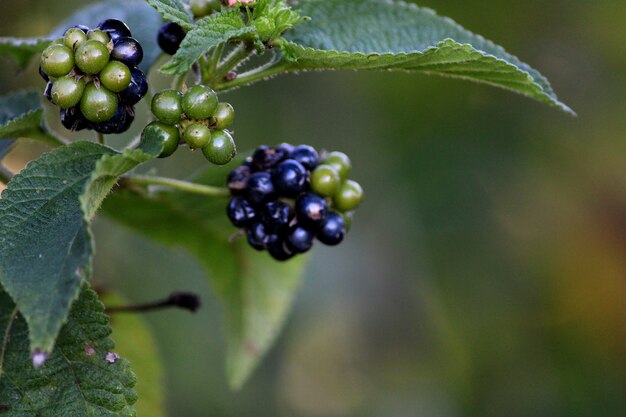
x=76, y=380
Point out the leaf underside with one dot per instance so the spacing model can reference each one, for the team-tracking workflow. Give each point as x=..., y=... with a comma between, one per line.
x=256, y=292
x=173, y=11
x=393, y=35
x=76, y=380
x=20, y=114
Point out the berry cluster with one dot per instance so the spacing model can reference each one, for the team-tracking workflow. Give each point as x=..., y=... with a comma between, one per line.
x=92, y=76
x=199, y=119
x=284, y=197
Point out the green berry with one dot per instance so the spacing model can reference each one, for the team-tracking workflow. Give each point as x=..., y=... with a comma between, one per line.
x=223, y=116
x=91, y=57
x=167, y=106
x=98, y=35
x=67, y=91
x=201, y=8
x=115, y=76
x=340, y=162
x=74, y=37
x=170, y=135
x=197, y=135
x=98, y=104
x=57, y=60
x=325, y=180
x=347, y=219
x=221, y=148
x=348, y=197
x=199, y=102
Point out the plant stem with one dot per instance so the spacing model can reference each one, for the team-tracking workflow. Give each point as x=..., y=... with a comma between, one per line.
x=179, y=80
x=186, y=186
x=213, y=61
x=236, y=57
x=253, y=76
x=5, y=175
x=184, y=300
x=100, y=137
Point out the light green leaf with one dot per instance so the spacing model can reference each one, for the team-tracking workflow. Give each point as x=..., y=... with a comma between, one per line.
x=77, y=379
x=173, y=11
x=256, y=292
x=21, y=116
x=135, y=342
x=22, y=50
x=393, y=35
x=207, y=34
x=143, y=21
x=44, y=231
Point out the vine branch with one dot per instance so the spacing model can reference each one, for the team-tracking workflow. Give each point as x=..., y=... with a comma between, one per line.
x=185, y=186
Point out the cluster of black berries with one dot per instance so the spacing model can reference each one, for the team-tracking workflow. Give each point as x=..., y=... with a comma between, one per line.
x=92, y=76
x=284, y=197
x=199, y=119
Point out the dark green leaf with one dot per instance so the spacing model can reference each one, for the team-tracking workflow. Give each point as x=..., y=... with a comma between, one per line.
x=208, y=33
x=77, y=379
x=22, y=50
x=143, y=20
x=393, y=35
x=256, y=292
x=173, y=11
x=20, y=113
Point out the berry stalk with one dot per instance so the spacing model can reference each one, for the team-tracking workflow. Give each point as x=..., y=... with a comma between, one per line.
x=185, y=186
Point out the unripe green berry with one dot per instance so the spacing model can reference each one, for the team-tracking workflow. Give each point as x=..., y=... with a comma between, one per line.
x=197, y=135
x=167, y=106
x=169, y=134
x=201, y=8
x=98, y=35
x=74, y=37
x=67, y=91
x=199, y=102
x=349, y=196
x=347, y=219
x=115, y=76
x=98, y=104
x=223, y=116
x=57, y=60
x=91, y=57
x=221, y=148
x=340, y=162
x=325, y=180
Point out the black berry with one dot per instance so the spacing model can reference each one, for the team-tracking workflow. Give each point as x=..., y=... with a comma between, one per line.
x=137, y=88
x=240, y=211
x=300, y=239
x=306, y=155
x=115, y=29
x=73, y=119
x=289, y=178
x=260, y=187
x=238, y=179
x=257, y=235
x=332, y=230
x=277, y=215
x=128, y=51
x=311, y=209
x=170, y=37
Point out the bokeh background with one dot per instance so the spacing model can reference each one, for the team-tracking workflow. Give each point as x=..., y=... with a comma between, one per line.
x=485, y=275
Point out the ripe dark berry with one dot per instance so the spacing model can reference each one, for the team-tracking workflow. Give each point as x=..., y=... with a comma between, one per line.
x=98, y=104
x=285, y=149
x=167, y=106
x=57, y=60
x=257, y=235
x=260, y=187
x=300, y=239
x=223, y=116
x=332, y=230
x=325, y=180
x=340, y=162
x=74, y=37
x=73, y=119
x=115, y=76
x=115, y=29
x=43, y=74
x=128, y=51
x=349, y=196
x=137, y=88
x=279, y=249
x=240, y=211
x=199, y=102
x=67, y=91
x=170, y=37
x=238, y=179
x=47, y=92
x=221, y=148
x=169, y=135
x=311, y=209
x=113, y=125
x=197, y=135
x=277, y=215
x=266, y=157
x=306, y=155
x=289, y=178
x=82, y=27
x=91, y=57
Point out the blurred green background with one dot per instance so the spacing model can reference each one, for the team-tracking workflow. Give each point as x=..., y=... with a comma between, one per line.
x=485, y=275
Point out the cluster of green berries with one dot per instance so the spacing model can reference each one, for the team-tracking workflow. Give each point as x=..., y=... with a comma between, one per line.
x=285, y=197
x=196, y=118
x=92, y=76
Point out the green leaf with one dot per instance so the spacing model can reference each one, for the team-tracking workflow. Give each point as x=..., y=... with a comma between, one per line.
x=143, y=21
x=207, y=34
x=173, y=11
x=393, y=35
x=44, y=232
x=21, y=115
x=135, y=342
x=256, y=292
x=22, y=50
x=77, y=379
